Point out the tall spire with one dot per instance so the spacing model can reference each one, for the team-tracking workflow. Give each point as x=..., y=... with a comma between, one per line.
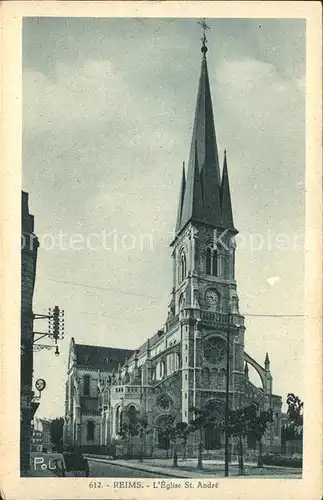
x=226, y=207
x=204, y=151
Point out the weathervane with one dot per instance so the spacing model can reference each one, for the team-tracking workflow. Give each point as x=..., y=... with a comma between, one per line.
x=205, y=27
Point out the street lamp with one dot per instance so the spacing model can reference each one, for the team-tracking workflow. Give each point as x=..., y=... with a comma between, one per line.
x=226, y=415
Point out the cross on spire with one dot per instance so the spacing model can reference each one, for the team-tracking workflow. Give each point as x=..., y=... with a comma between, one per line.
x=204, y=27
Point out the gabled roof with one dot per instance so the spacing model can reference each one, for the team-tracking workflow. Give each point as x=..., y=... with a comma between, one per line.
x=152, y=341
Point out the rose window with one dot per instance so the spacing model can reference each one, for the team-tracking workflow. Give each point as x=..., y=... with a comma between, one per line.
x=164, y=402
x=214, y=350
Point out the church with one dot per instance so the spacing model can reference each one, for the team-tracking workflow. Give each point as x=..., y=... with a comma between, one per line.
x=184, y=364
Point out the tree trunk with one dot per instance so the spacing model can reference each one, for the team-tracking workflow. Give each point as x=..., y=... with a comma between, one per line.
x=260, y=462
x=184, y=450
x=141, y=446
x=175, y=456
x=241, y=465
x=199, y=461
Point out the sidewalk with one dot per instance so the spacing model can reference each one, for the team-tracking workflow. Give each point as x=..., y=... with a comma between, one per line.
x=188, y=468
x=164, y=469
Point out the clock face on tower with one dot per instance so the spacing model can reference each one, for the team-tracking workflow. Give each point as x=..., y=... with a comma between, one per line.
x=212, y=297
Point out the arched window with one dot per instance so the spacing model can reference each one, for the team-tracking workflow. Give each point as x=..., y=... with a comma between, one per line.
x=176, y=361
x=220, y=261
x=172, y=362
x=132, y=417
x=221, y=379
x=160, y=370
x=86, y=385
x=214, y=378
x=169, y=364
x=121, y=420
x=117, y=419
x=277, y=424
x=215, y=263
x=212, y=262
x=208, y=261
x=206, y=377
x=90, y=431
x=183, y=267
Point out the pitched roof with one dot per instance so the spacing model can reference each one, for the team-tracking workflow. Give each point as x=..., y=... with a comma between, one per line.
x=152, y=341
x=101, y=357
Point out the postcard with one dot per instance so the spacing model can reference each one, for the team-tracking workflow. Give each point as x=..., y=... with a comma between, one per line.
x=162, y=312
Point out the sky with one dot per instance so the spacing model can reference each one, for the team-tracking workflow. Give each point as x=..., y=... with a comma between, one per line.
x=108, y=108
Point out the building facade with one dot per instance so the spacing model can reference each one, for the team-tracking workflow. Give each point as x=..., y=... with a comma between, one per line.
x=29, y=247
x=41, y=435
x=82, y=414
x=36, y=441
x=184, y=365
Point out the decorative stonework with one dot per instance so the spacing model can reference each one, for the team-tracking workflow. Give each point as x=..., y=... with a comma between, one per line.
x=214, y=350
x=252, y=393
x=164, y=402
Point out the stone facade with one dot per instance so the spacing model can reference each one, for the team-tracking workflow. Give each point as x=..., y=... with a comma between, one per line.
x=29, y=246
x=82, y=414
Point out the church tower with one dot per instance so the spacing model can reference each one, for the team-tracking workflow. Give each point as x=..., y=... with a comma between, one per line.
x=196, y=360
x=204, y=295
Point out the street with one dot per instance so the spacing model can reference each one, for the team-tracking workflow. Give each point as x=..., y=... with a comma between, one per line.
x=43, y=465
x=101, y=469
